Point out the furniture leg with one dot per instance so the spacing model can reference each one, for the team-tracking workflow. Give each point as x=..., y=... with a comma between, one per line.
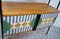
x=1, y=20
x=48, y=30
x=36, y=22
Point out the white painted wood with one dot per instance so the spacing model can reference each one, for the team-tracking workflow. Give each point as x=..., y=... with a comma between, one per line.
x=11, y=19
x=14, y=19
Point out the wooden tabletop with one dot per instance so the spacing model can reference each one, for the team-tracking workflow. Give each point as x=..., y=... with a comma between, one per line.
x=25, y=8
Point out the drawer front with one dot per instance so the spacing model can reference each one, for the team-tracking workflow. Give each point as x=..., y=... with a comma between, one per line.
x=24, y=23
x=18, y=23
x=47, y=20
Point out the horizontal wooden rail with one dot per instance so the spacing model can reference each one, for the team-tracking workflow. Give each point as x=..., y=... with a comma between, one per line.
x=25, y=8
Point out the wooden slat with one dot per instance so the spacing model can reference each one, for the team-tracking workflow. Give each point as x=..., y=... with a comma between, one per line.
x=25, y=8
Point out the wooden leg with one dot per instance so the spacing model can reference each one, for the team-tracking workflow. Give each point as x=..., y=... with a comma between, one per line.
x=36, y=22
x=48, y=30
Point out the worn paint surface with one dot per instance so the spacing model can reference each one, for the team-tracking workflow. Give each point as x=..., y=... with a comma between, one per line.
x=6, y=26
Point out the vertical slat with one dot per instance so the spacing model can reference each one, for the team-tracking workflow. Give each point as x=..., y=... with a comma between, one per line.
x=13, y=31
x=29, y=27
x=18, y=19
x=14, y=19
x=17, y=22
x=26, y=28
x=6, y=20
x=11, y=19
x=24, y=18
x=3, y=18
x=29, y=18
x=10, y=31
x=6, y=33
x=21, y=19
x=42, y=16
x=35, y=16
x=21, y=29
x=18, y=29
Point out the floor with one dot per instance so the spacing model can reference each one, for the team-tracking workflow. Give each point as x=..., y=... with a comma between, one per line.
x=54, y=33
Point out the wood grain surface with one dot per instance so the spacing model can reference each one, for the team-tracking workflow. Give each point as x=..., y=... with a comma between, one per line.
x=26, y=8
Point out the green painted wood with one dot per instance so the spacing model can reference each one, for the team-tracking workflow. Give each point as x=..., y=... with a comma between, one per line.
x=6, y=26
x=33, y=21
x=40, y=21
x=54, y=19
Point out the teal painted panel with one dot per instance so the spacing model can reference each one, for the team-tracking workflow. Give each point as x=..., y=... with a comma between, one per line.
x=33, y=21
x=6, y=26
